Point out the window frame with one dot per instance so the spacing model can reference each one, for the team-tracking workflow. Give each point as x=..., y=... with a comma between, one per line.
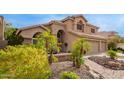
x=80, y=26
x=93, y=30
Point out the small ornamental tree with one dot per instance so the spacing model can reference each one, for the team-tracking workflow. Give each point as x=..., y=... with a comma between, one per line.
x=80, y=47
x=112, y=45
x=49, y=42
x=112, y=42
x=11, y=37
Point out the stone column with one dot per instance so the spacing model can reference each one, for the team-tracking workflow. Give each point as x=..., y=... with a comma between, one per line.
x=1, y=28
x=3, y=42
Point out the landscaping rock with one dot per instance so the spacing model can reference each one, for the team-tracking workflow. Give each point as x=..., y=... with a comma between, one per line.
x=84, y=71
x=108, y=63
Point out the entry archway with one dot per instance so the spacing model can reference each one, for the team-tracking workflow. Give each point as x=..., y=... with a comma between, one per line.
x=61, y=42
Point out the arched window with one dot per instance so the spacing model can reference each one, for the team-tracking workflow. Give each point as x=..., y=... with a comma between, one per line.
x=60, y=36
x=35, y=36
x=80, y=26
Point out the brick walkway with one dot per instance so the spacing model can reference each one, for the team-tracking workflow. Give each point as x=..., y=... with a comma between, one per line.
x=105, y=72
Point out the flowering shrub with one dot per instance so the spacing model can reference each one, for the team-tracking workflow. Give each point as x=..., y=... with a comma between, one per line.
x=22, y=62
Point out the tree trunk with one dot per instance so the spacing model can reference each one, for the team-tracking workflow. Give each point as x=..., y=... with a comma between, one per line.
x=46, y=45
x=74, y=61
x=50, y=58
x=78, y=64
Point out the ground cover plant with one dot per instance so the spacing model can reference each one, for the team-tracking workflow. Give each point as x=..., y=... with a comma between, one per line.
x=69, y=75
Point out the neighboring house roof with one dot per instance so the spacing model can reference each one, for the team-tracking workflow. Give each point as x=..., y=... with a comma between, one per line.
x=87, y=35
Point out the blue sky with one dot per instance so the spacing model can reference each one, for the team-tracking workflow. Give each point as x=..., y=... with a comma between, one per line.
x=106, y=22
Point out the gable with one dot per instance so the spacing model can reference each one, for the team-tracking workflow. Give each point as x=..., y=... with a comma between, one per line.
x=80, y=20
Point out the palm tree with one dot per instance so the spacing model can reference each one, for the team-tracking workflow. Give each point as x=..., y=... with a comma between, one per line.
x=49, y=43
x=80, y=47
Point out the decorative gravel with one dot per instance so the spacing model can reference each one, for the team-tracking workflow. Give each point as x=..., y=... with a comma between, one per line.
x=108, y=63
x=84, y=72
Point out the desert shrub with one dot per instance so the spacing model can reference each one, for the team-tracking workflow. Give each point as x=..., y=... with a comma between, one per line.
x=69, y=75
x=120, y=50
x=112, y=54
x=22, y=62
x=112, y=45
x=11, y=36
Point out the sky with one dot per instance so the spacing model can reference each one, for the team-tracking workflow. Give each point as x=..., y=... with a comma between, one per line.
x=106, y=22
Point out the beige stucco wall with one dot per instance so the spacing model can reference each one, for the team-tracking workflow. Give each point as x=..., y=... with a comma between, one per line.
x=29, y=33
x=88, y=29
x=56, y=27
x=69, y=25
x=95, y=44
x=78, y=20
x=72, y=25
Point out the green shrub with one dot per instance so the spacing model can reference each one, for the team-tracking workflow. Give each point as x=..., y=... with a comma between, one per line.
x=22, y=62
x=112, y=54
x=112, y=45
x=69, y=75
x=11, y=36
x=120, y=50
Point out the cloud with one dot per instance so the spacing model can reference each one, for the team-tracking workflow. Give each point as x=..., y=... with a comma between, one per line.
x=108, y=22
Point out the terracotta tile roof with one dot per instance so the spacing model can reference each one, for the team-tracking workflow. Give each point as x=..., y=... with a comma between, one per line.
x=29, y=27
x=81, y=34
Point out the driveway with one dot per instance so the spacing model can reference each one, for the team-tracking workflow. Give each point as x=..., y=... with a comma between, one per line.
x=105, y=72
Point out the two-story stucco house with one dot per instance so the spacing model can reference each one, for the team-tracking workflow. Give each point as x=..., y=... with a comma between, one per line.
x=67, y=31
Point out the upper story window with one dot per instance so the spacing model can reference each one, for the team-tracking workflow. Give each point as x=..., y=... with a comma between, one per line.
x=92, y=30
x=80, y=26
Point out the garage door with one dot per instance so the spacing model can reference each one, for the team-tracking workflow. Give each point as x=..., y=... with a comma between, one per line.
x=103, y=46
x=94, y=47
